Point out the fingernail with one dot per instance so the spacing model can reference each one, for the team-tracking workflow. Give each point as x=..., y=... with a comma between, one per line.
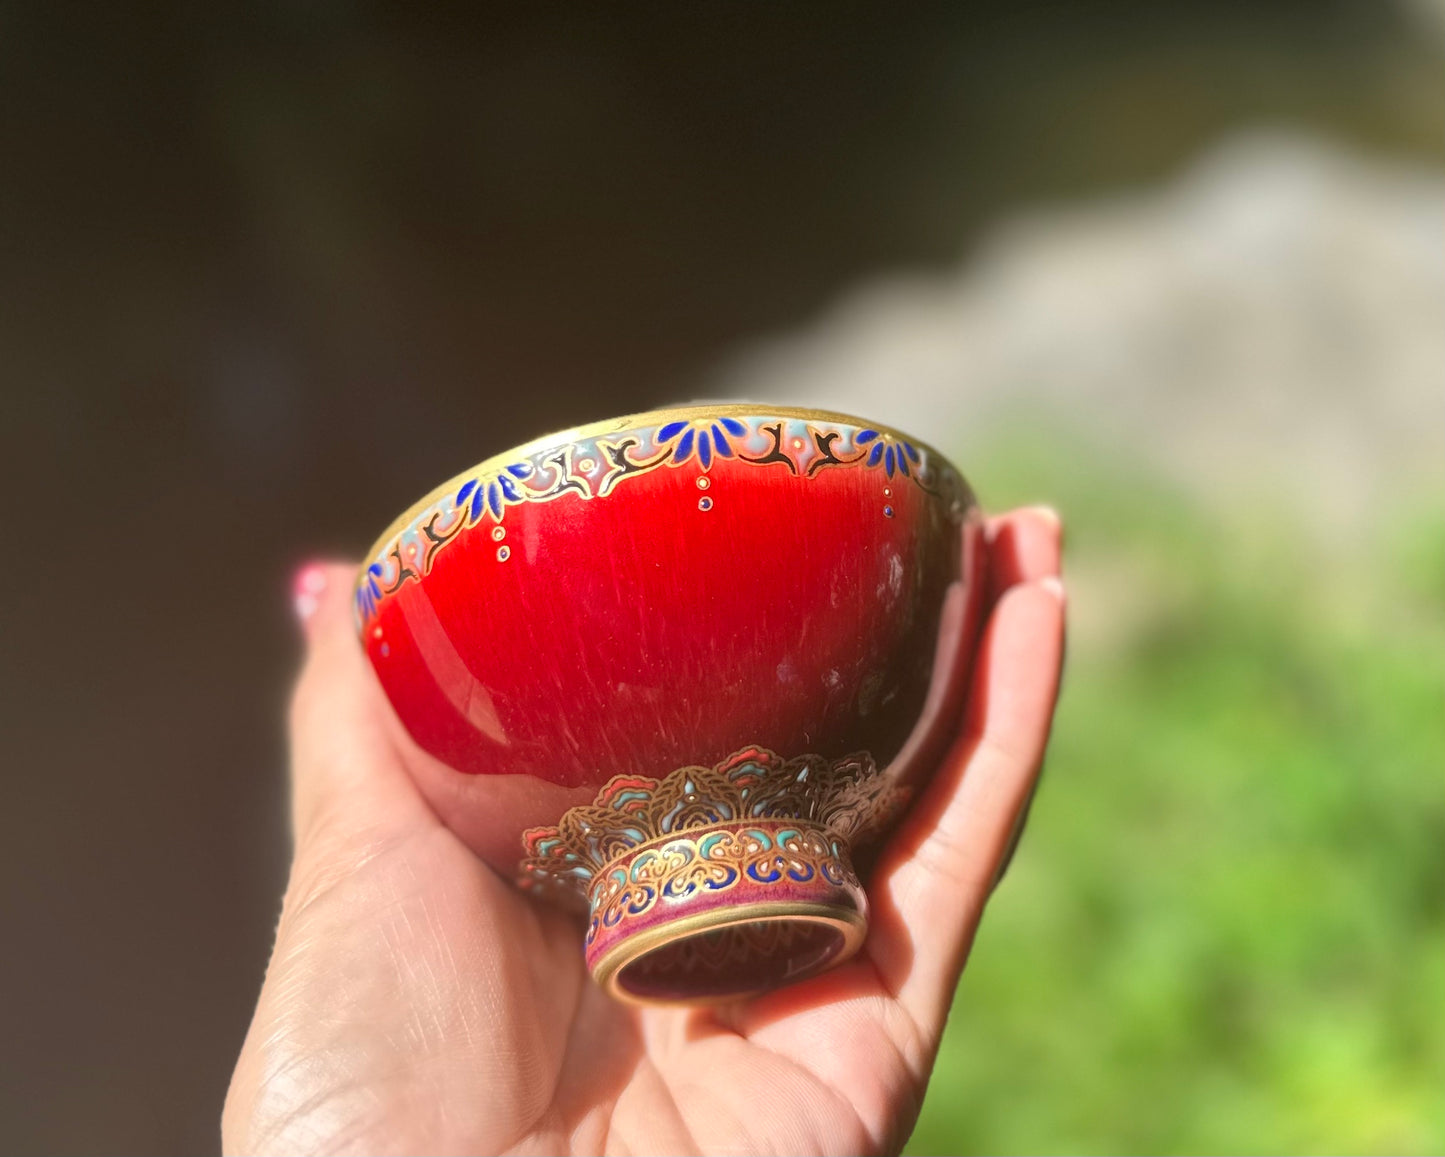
x=1046, y=512
x=306, y=590
x=1055, y=586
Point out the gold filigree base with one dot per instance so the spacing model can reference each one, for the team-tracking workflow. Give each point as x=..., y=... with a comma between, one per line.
x=724, y=912
x=717, y=883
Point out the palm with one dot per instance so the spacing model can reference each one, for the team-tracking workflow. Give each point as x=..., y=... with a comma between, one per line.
x=417, y=1002
x=466, y=987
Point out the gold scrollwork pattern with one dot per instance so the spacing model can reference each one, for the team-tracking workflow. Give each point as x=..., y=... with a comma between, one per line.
x=593, y=852
x=716, y=861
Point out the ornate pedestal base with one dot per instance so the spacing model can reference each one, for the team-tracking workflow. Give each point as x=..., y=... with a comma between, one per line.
x=724, y=912
x=714, y=884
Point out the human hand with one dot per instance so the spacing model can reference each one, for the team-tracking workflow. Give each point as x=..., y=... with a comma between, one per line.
x=416, y=1002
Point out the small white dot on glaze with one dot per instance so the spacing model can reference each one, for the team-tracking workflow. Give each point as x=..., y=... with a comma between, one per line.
x=703, y=482
x=704, y=503
x=376, y=633
x=887, y=490
x=586, y=465
x=499, y=533
x=503, y=553
x=797, y=443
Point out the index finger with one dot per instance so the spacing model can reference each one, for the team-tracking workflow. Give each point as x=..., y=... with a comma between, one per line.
x=937, y=872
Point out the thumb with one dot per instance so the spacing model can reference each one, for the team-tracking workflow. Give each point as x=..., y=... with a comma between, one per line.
x=348, y=783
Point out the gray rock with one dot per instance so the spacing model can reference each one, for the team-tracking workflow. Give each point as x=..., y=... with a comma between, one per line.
x=1272, y=321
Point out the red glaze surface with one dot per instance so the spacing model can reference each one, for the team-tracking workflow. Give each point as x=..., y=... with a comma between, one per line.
x=663, y=624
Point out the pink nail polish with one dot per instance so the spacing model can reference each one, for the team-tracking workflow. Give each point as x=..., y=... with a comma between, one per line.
x=306, y=590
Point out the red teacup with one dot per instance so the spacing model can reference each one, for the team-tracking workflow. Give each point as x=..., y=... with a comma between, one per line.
x=676, y=666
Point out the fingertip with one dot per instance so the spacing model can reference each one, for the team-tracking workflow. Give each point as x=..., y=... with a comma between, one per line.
x=321, y=596
x=1024, y=545
x=1045, y=515
x=307, y=586
x=1040, y=515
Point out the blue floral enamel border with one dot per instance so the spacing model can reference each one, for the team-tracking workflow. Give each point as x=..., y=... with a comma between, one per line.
x=592, y=466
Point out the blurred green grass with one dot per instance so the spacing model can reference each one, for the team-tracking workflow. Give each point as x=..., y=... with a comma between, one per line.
x=1225, y=930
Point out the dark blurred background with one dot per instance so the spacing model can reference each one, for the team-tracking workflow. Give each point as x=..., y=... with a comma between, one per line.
x=267, y=273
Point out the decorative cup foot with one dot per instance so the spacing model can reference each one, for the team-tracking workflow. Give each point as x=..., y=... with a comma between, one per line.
x=724, y=912
x=717, y=883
